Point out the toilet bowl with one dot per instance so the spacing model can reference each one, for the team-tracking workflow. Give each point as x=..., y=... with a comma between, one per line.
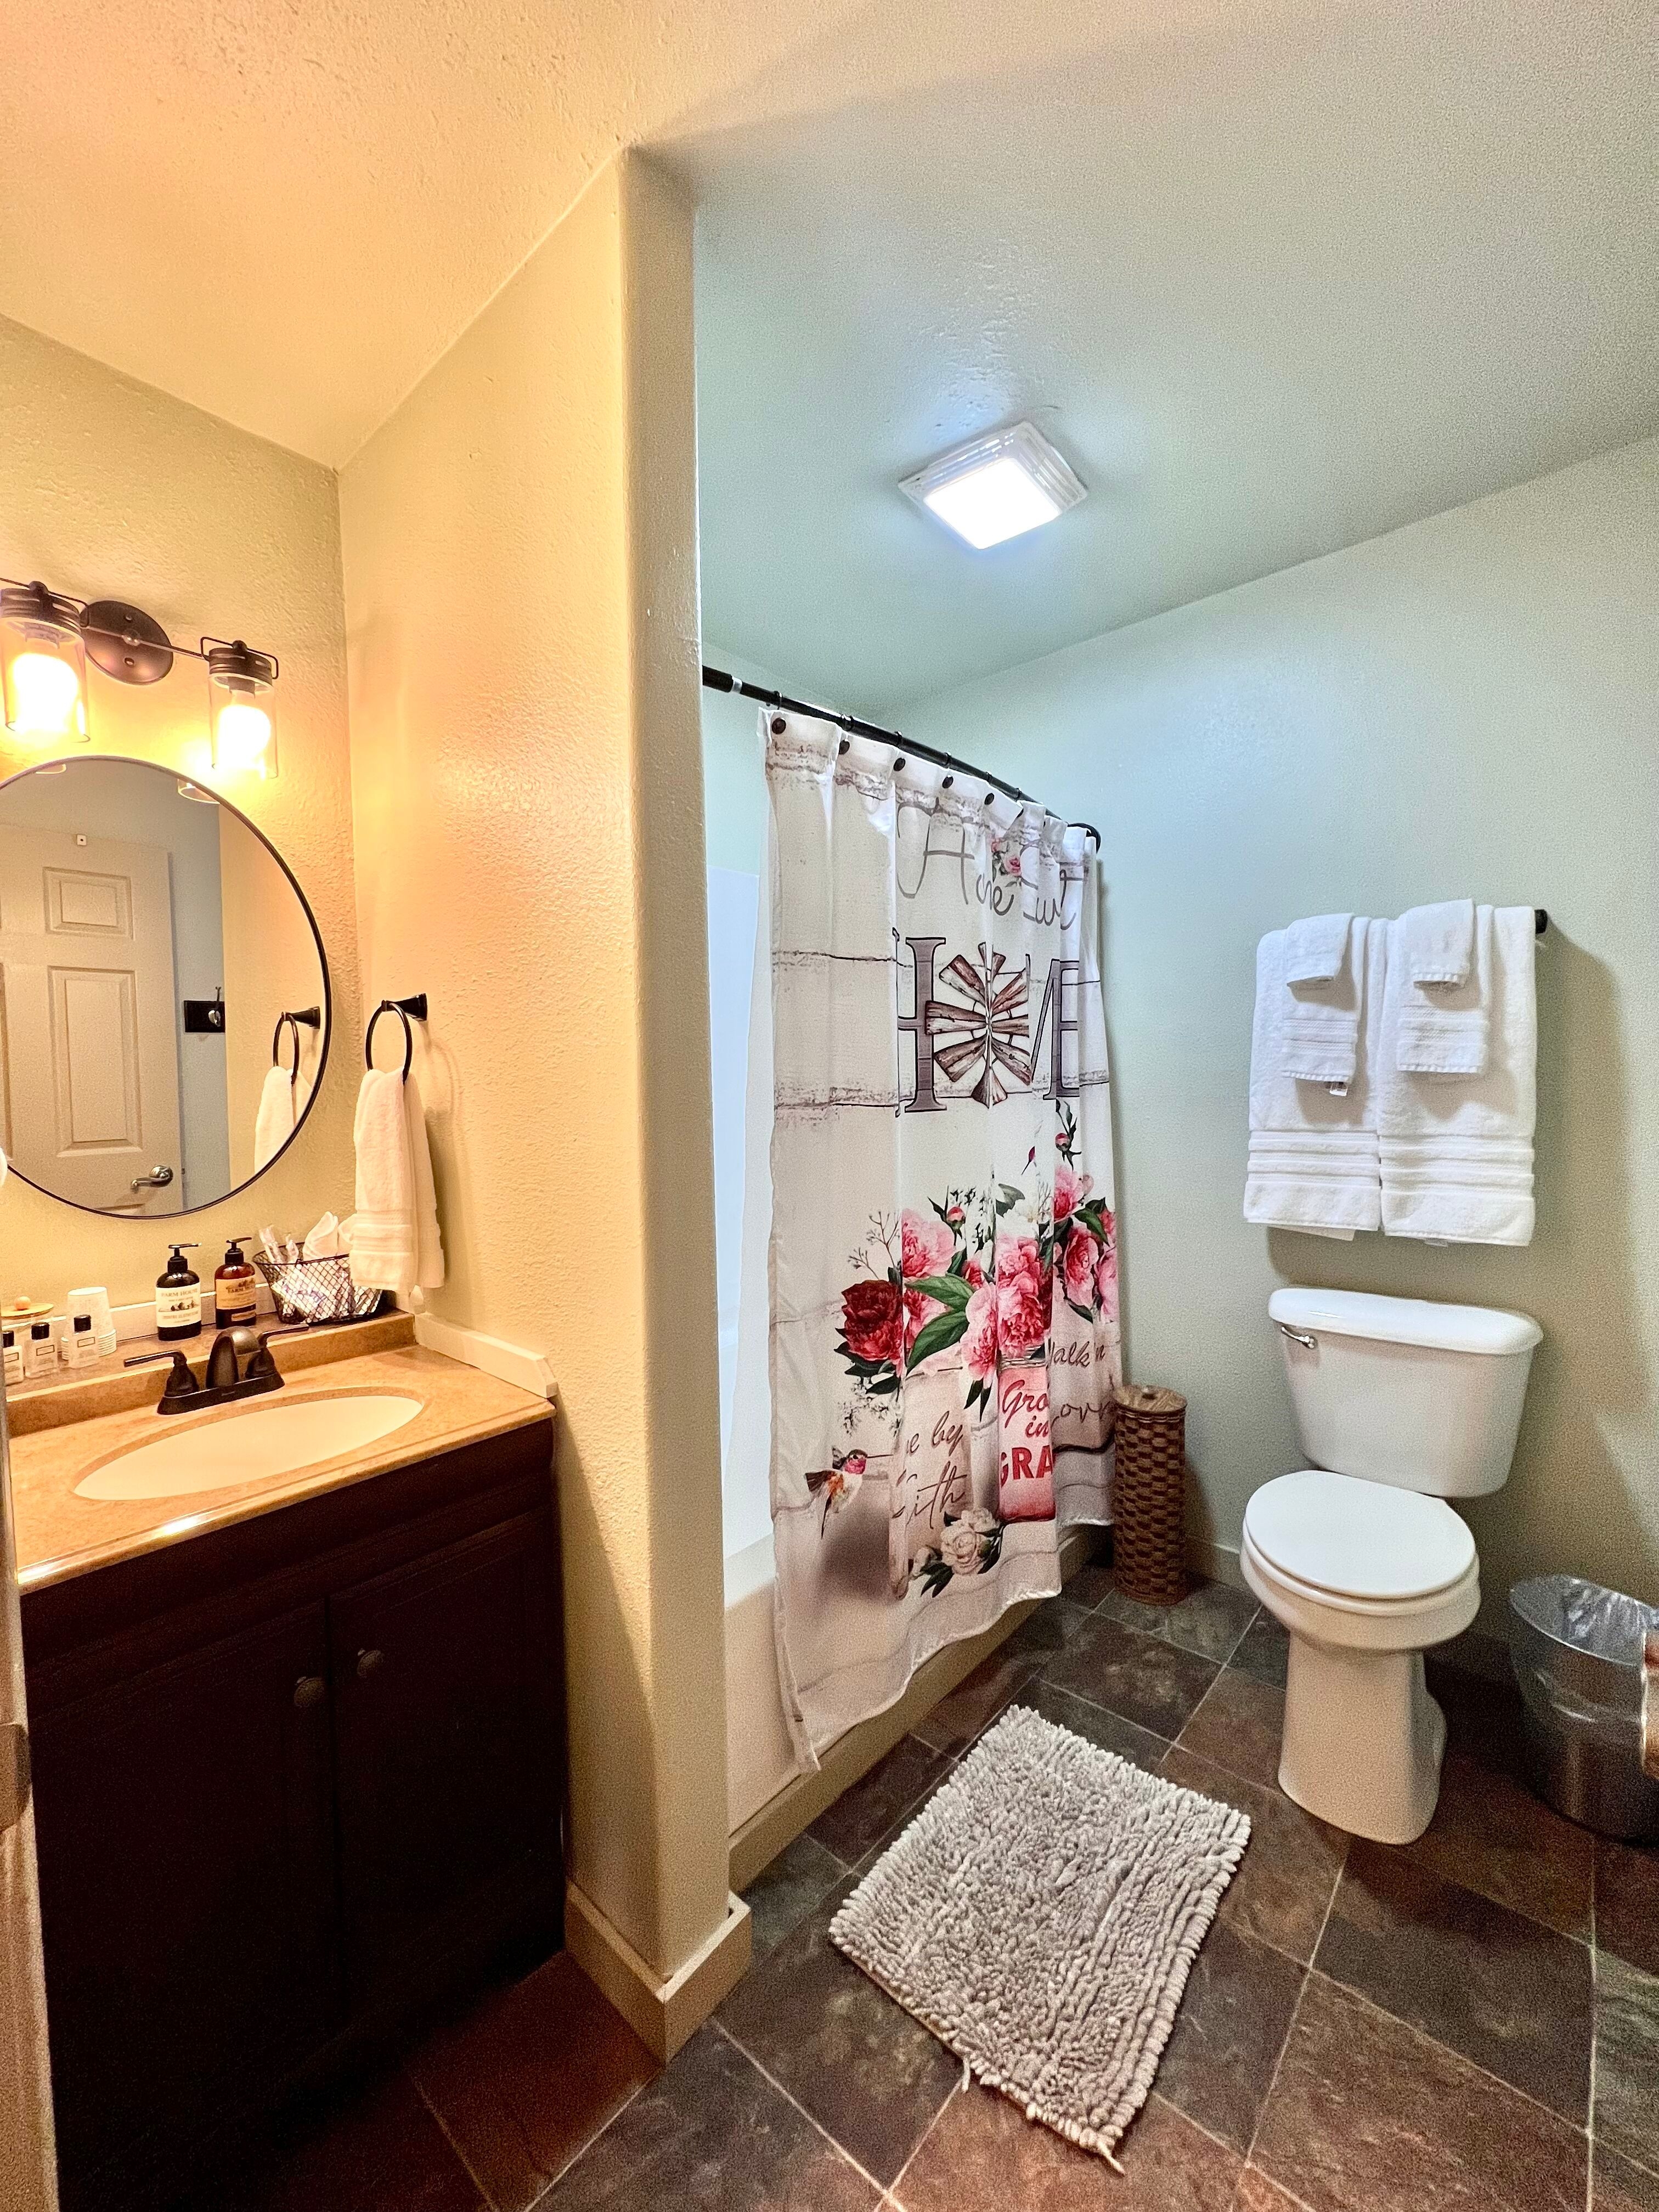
x=1403, y=1403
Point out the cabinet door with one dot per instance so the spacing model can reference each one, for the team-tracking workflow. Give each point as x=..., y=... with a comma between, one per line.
x=448, y=1748
x=185, y=1841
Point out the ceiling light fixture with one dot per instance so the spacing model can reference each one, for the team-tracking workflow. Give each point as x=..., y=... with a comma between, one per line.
x=998, y=487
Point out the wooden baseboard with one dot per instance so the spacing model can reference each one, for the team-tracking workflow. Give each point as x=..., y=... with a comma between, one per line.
x=797, y=1804
x=664, y=2015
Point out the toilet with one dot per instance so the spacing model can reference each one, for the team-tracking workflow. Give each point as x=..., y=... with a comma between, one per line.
x=1401, y=1404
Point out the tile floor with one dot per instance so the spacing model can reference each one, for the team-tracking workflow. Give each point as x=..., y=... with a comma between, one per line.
x=1471, y=2022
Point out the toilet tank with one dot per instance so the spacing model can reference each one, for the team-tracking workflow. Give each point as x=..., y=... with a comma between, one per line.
x=1405, y=1390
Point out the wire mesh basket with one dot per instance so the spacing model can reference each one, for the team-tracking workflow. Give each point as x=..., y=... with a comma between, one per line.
x=316, y=1291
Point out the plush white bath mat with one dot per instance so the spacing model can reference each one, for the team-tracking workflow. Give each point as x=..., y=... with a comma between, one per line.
x=1040, y=1915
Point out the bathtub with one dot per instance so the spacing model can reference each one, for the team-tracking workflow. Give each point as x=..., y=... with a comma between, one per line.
x=759, y=1757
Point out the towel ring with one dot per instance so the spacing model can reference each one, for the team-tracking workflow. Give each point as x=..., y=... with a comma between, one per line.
x=403, y=1008
x=310, y=1018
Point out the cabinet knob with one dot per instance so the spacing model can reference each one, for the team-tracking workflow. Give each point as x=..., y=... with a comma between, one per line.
x=310, y=1690
x=367, y=1662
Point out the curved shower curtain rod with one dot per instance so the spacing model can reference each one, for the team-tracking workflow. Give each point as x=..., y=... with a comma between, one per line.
x=721, y=679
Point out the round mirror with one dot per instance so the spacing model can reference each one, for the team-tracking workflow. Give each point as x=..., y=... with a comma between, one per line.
x=157, y=962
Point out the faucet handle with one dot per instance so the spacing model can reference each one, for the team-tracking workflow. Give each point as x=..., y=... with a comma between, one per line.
x=180, y=1382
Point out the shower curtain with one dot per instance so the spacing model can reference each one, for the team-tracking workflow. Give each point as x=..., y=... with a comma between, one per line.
x=937, y=1245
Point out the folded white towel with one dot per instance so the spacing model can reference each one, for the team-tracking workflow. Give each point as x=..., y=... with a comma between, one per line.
x=1316, y=949
x=1439, y=941
x=283, y=1102
x=1457, y=1149
x=1313, y=1155
x=1319, y=1021
x=394, y=1236
x=1442, y=1028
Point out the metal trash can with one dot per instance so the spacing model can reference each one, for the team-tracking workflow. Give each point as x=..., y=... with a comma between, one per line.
x=1578, y=1654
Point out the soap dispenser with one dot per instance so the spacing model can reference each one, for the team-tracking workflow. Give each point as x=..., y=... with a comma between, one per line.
x=236, y=1289
x=177, y=1298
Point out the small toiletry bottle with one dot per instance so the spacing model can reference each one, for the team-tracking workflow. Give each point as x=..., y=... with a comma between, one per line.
x=81, y=1345
x=40, y=1352
x=177, y=1298
x=14, y=1356
x=235, y=1292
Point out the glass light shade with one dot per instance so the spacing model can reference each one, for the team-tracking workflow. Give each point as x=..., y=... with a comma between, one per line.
x=997, y=486
x=45, y=665
x=242, y=710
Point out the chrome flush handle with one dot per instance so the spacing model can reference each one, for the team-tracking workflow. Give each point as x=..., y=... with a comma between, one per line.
x=1297, y=1336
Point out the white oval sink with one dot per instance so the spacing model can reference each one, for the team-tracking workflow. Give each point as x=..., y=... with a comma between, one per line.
x=264, y=1441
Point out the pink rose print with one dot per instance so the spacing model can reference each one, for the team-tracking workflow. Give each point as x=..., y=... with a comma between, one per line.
x=1082, y=1254
x=919, y=1310
x=1024, y=1295
x=927, y=1245
x=1106, y=1282
x=972, y=1273
x=979, y=1346
x=1070, y=1189
x=872, y=1321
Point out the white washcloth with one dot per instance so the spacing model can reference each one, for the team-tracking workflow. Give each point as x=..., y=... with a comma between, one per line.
x=283, y=1101
x=1457, y=1151
x=1316, y=949
x=1313, y=1159
x=394, y=1236
x=1319, y=1020
x=1442, y=1028
x=1438, y=941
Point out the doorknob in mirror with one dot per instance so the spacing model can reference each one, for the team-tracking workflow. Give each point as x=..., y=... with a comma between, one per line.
x=158, y=1179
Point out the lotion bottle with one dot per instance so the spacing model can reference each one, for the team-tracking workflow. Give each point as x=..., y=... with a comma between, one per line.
x=177, y=1298
x=40, y=1353
x=236, y=1289
x=81, y=1344
x=14, y=1356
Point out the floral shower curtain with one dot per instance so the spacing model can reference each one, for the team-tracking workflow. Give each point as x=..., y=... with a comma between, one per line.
x=942, y=1261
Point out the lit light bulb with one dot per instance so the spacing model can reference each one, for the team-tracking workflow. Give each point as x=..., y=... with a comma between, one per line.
x=244, y=735
x=45, y=695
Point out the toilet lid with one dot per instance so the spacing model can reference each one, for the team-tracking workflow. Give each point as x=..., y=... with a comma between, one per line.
x=1357, y=1539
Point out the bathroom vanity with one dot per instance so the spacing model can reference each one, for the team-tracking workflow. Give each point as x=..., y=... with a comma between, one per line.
x=298, y=1744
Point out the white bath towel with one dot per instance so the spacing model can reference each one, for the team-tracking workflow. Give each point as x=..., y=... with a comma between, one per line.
x=394, y=1238
x=1443, y=1026
x=1314, y=949
x=1439, y=941
x=1319, y=1018
x=1457, y=1149
x=283, y=1102
x=1313, y=1157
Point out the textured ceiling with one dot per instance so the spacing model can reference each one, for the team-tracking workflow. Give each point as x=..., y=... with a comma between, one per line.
x=1276, y=279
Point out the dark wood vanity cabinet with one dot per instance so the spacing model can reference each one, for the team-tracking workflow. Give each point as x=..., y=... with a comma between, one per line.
x=293, y=1780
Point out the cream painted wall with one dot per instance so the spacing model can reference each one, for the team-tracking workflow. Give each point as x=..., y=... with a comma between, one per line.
x=521, y=565
x=109, y=487
x=1466, y=706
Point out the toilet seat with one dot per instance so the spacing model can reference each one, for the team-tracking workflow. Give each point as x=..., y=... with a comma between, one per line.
x=1356, y=1545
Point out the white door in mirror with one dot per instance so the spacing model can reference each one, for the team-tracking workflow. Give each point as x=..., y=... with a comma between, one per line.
x=255, y=1446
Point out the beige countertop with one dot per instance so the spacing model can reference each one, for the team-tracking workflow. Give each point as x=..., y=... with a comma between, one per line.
x=59, y=1535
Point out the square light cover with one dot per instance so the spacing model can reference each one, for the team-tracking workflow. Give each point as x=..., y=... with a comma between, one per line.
x=997, y=486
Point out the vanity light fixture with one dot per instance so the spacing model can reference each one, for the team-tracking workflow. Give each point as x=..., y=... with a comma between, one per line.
x=44, y=664
x=46, y=638
x=997, y=486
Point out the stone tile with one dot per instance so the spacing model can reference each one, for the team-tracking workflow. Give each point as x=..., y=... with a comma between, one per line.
x=984, y=2156
x=1255, y=2193
x=1218, y=2066
x=783, y=1894
x=366, y=2148
x=712, y=2134
x=1212, y=1621
x=862, y=1814
x=1368, y=2116
x=1627, y=1902
x=1627, y=2060
x=1620, y=2187
x=1505, y=1991
x=1239, y=1726
x=1264, y=1652
x=1096, y=1725
x=1090, y=1584
x=970, y=1708
x=1483, y=1718
x=871, y=2076
x=1056, y=1623
x=1492, y=1834
x=1148, y=1681
x=524, y=2082
x=1282, y=1889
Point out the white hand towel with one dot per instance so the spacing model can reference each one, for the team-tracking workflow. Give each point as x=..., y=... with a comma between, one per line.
x=281, y=1102
x=1457, y=1151
x=1319, y=1020
x=1316, y=949
x=1313, y=1157
x=1439, y=941
x=395, y=1240
x=1442, y=1027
